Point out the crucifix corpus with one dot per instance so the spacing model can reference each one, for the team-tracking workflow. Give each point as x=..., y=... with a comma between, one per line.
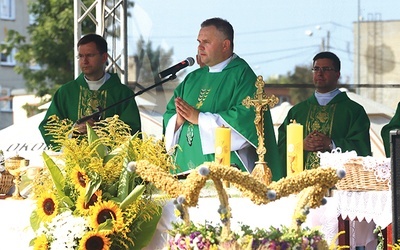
x=261, y=103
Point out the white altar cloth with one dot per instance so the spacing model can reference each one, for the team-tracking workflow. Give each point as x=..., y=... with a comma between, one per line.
x=15, y=231
x=365, y=210
x=15, y=228
x=370, y=206
x=276, y=213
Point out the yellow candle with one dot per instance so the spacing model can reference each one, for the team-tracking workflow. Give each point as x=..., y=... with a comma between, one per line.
x=294, y=139
x=223, y=146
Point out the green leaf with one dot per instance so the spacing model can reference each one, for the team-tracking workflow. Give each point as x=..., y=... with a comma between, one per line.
x=148, y=228
x=35, y=220
x=126, y=147
x=56, y=174
x=139, y=189
x=107, y=225
x=123, y=184
x=92, y=187
x=113, y=189
x=108, y=157
x=58, y=179
x=115, y=199
x=93, y=138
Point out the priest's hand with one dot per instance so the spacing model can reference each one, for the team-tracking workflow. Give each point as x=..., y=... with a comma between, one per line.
x=81, y=127
x=185, y=111
x=316, y=141
x=179, y=121
x=198, y=61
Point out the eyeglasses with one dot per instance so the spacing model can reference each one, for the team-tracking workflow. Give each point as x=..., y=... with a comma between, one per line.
x=323, y=69
x=81, y=56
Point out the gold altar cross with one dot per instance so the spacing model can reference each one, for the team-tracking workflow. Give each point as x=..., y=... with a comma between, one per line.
x=261, y=103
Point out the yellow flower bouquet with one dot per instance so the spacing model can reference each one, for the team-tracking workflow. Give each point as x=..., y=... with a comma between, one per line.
x=90, y=200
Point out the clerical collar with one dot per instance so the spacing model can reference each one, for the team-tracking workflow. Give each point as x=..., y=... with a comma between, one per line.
x=220, y=66
x=325, y=98
x=95, y=85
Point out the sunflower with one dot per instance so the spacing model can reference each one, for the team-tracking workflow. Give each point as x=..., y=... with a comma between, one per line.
x=102, y=211
x=84, y=207
x=47, y=206
x=41, y=243
x=94, y=241
x=79, y=178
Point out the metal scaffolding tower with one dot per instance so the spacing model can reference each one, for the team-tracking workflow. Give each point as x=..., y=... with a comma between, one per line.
x=110, y=20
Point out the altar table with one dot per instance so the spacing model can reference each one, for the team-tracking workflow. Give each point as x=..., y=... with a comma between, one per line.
x=276, y=213
x=373, y=207
x=16, y=233
x=15, y=230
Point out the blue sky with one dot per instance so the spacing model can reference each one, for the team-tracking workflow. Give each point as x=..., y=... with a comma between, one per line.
x=272, y=36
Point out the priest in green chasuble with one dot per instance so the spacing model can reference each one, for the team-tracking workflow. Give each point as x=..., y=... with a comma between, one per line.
x=212, y=96
x=93, y=88
x=329, y=117
x=393, y=124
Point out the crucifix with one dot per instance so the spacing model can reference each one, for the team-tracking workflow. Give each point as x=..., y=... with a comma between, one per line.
x=261, y=103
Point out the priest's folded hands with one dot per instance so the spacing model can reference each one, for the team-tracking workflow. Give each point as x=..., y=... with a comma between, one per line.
x=185, y=112
x=317, y=141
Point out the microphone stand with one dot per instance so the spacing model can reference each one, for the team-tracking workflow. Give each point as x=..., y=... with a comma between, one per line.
x=98, y=113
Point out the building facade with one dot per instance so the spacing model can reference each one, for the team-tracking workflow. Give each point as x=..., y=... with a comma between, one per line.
x=13, y=16
x=377, y=60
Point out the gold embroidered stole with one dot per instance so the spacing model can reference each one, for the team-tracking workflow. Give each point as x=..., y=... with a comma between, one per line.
x=319, y=118
x=200, y=101
x=90, y=100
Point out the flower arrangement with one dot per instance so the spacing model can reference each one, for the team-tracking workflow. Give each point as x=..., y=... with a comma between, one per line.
x=91, y=200
x=100, y=197
x=207, y=236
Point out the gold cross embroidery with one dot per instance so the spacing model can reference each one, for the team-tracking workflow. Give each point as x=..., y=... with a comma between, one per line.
x=202, y=97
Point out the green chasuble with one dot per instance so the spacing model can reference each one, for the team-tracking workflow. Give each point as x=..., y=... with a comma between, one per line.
x=222, y=93
x=75, y=100
x=385, y=132
x=342, y=119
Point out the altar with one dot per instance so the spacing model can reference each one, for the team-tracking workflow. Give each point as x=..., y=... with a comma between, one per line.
x=372, y=206
x=361, y=212
x=15, y=229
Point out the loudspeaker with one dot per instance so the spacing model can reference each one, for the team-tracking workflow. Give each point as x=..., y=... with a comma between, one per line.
x=395, y=182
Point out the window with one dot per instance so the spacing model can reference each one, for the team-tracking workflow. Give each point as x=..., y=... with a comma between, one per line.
x=7, y=9
x=5, y=99
x=7, y=60
x=32, y=19
x=34, y=65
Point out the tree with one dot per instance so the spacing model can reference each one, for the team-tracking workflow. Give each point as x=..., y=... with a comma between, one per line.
x=50, y=46
x=46, y=59
x=150, y=61
x=301, y=75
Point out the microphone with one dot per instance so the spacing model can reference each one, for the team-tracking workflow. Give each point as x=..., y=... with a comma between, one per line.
x=172, y=70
